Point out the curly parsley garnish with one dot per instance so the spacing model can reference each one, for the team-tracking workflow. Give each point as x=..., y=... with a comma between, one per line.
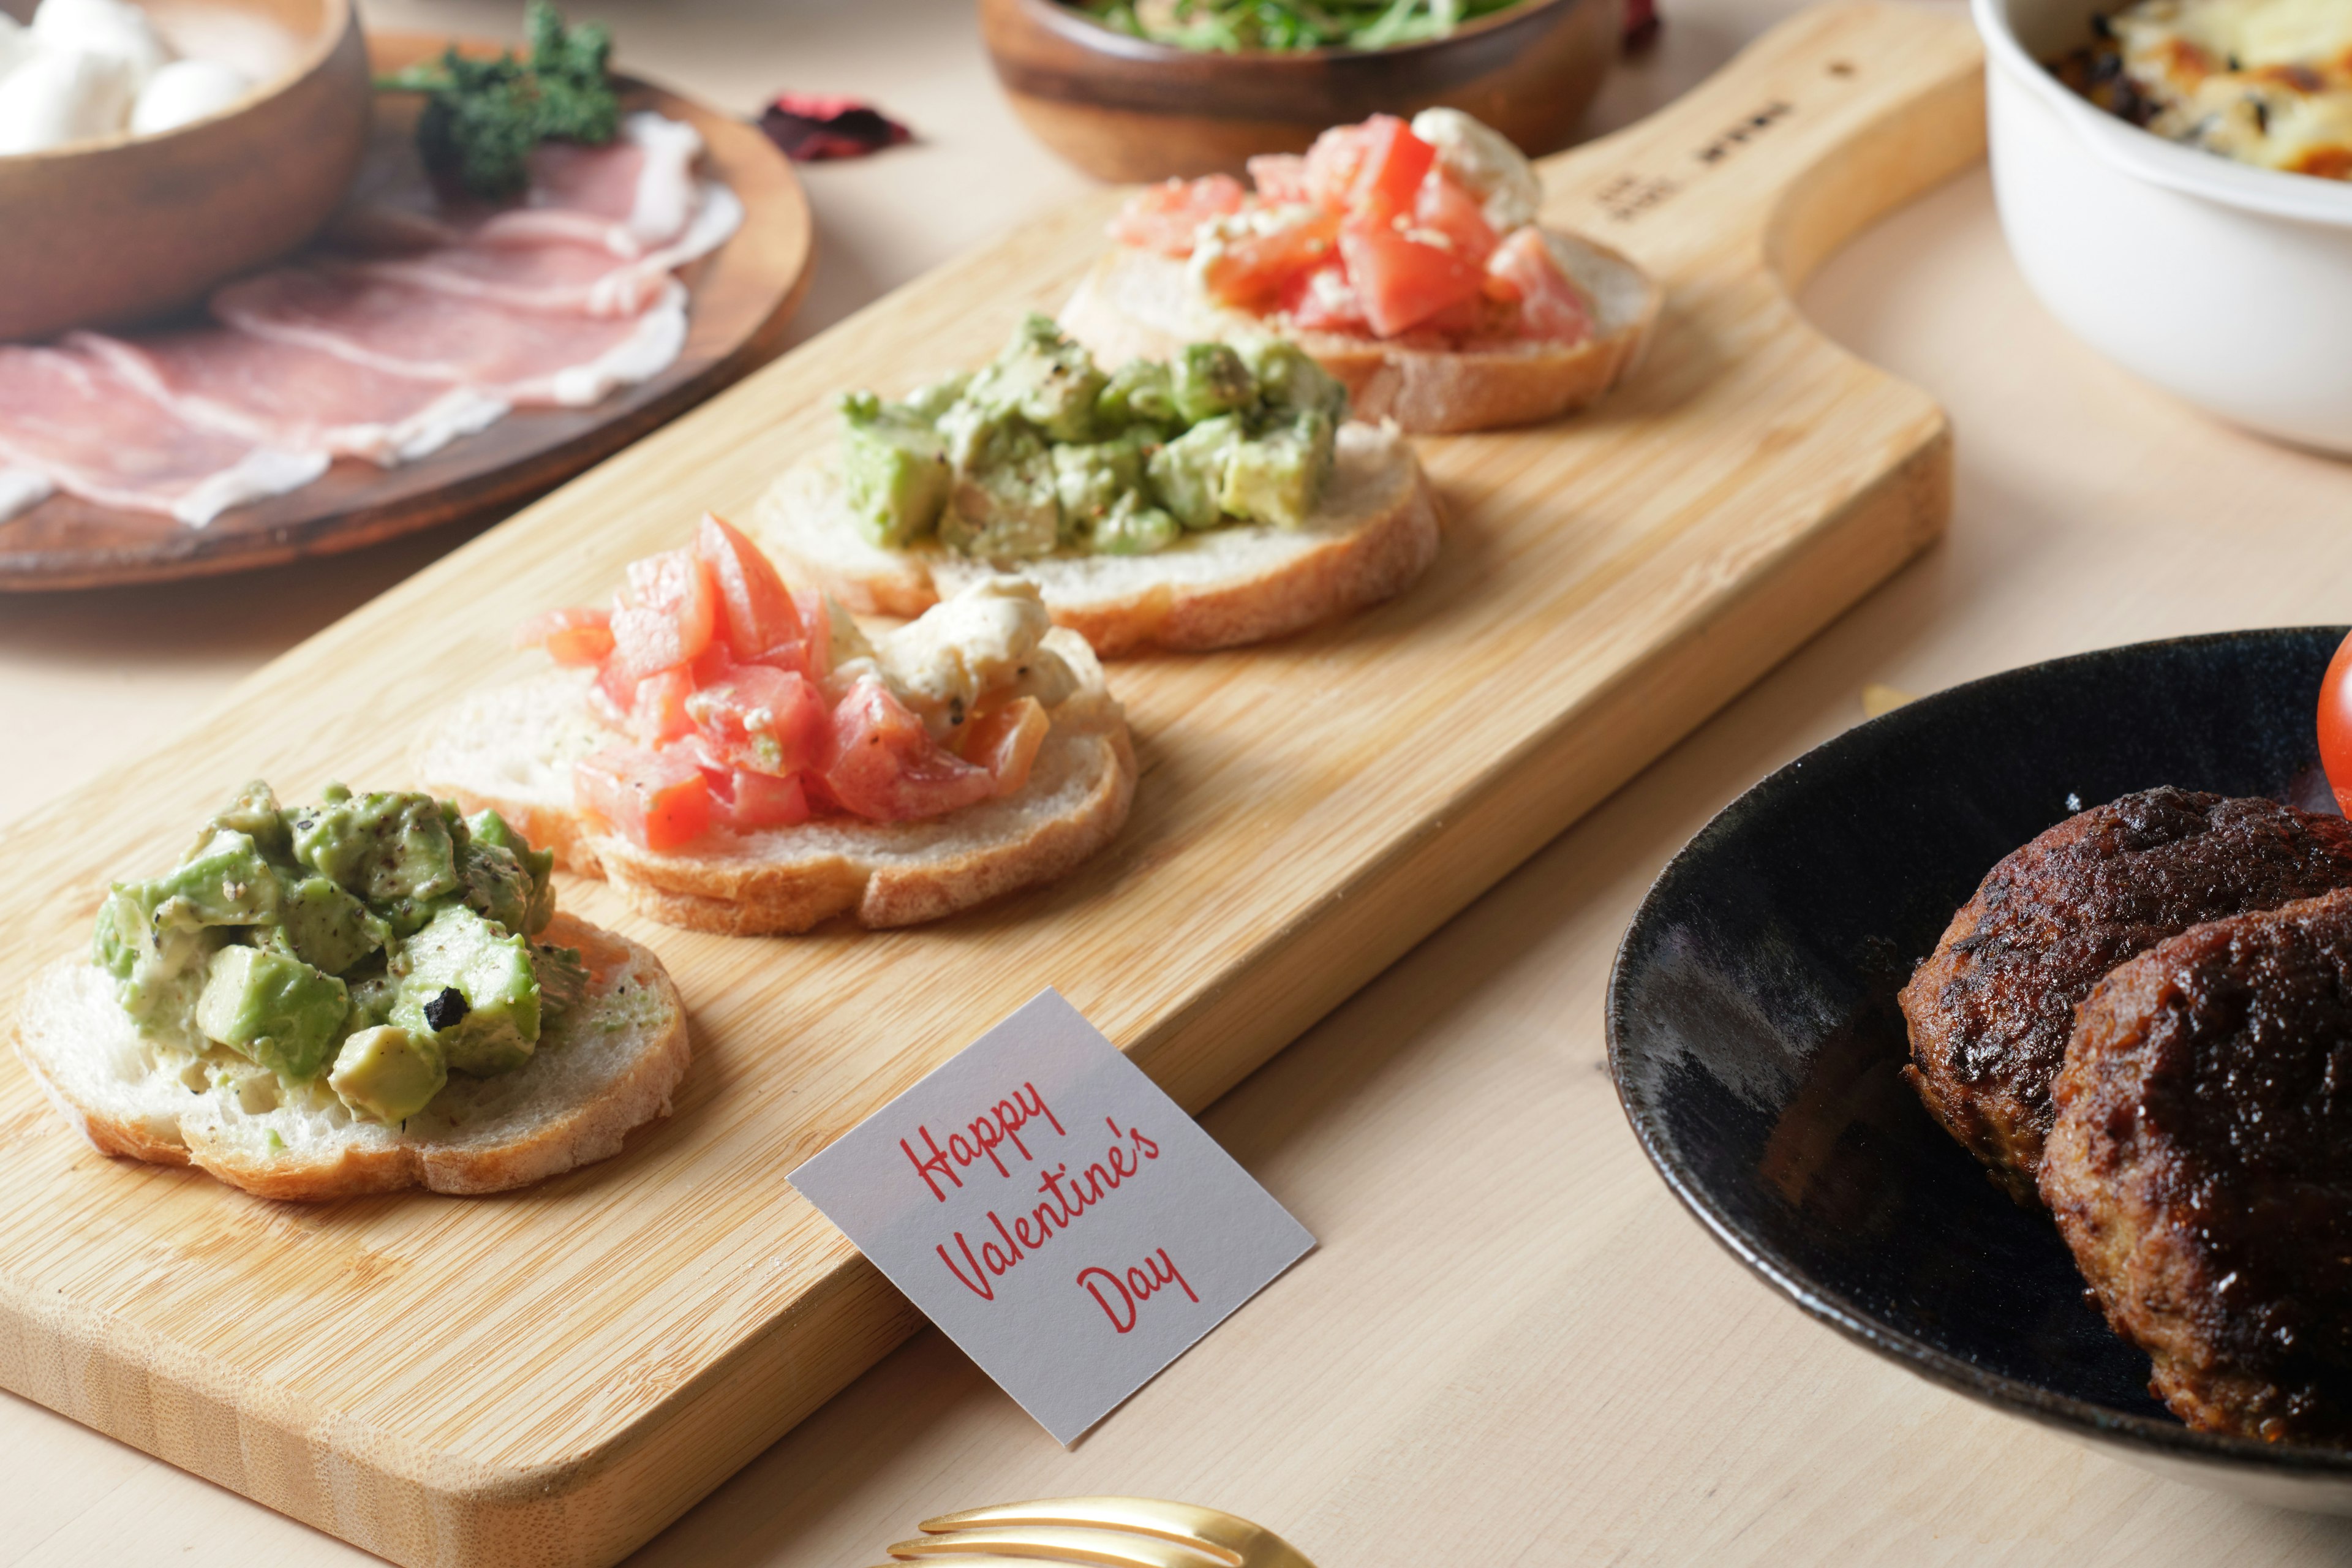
x=483, y=116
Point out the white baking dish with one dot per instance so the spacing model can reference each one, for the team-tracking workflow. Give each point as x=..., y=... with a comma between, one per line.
x=2227, y=285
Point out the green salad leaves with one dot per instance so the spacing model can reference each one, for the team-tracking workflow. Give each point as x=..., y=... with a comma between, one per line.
x=1235, y=26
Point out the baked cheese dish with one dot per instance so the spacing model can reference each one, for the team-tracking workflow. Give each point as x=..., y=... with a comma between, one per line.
x=2266, y=82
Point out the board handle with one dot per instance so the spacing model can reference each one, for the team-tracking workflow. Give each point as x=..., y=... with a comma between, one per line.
x=1826, y=122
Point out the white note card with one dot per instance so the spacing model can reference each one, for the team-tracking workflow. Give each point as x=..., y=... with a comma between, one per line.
x=1063, y=1220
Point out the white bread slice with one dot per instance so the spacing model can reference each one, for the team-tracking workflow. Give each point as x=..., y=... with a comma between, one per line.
x=511, y=748
x=1135, y=303
x=597, y=1073
x=1376, y=531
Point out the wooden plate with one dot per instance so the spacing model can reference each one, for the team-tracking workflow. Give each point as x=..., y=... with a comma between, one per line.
x=743, y=297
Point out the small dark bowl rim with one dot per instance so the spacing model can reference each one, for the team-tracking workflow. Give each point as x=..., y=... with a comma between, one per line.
x=1068, y=24
x=2017, y=1396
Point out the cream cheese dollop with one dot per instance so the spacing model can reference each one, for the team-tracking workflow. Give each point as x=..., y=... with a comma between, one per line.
x=1483, y=161
x=985, y=642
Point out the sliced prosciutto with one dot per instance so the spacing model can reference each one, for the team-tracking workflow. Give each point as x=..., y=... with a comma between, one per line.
x=294, y=399
x=564, y=277
x=520, y=357
x=72, y=419
x=626, y=198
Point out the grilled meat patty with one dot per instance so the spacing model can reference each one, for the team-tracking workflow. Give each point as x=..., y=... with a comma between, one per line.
x=2201, y=1167
x=1992, y=1008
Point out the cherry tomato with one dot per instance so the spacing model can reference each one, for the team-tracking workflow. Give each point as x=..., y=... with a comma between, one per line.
x=755, y=610
x=667, y=616
x=1443, y=206
x=749, y=802
x=763, y=720
x=1005, y=740
x=2336, y=725
x=573, y=637
x=1165, y=216
x=656, y=799
x=1333, y=164
x=1254, y=270
x=1395, y=163
x=885, y=767
x=1280, y=177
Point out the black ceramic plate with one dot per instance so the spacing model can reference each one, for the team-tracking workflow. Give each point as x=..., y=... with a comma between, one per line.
x=1756, y=1043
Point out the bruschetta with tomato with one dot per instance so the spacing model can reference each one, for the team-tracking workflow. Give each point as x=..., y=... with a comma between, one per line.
x=735, y=757
x=1406, y=258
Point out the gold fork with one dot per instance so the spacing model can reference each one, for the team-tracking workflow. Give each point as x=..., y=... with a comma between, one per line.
x=1111, y=1532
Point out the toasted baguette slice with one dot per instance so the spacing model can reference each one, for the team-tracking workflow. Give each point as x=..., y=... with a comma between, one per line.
x=511, y=748
x=1377, y=530
x=597, y=1073
x=1135, y=303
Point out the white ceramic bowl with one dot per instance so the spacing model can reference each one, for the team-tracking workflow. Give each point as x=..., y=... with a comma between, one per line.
x=2229, y=286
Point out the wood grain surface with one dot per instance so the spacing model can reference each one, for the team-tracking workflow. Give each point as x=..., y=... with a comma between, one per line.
x=742, y=298
x=550, y=1375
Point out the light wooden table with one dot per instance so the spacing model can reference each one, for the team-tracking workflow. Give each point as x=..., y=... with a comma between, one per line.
x=1513, y=1346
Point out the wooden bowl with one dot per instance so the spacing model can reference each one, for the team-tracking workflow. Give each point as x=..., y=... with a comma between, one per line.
x=1125, y=109
x=133, y=226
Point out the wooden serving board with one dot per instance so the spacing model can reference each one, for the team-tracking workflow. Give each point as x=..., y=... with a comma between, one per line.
x=550, y=1375
x=743, y=297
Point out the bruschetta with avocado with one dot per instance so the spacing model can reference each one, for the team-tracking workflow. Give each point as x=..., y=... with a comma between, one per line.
x=369, y=993
x=1406, y=258
x=735, y=757
x=1217, y=496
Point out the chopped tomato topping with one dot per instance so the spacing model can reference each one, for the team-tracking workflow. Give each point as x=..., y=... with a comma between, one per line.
x=1165, y=216
x=1280, y=177
x=1395, y=163
x=748, y=802
x=755, y=610
x=763, y=720
x=1403, y=282
x=1443, y=206
x=656, y=799
x=884, y=766
x=1333, y=164
x=667, y=615
x=1005, y=740
x=1324, y=300
x=817, y=624
x=1551, y=307
x=658, y=711
x=574, y=637
x=1252, y=269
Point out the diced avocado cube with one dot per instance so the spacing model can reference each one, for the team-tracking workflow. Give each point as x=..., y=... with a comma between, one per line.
x=470, y=986
x=161, y=967
x=1210, y=379
x=1140, y=391
x=392, y=848
x=223, y=882
x=1004, y=505
x=273, y=1009
x=1135, y=528
x=1188, y=474
x=1278, y=477
x=255, y=814
x=931, y=399
x=894, y=472
x=327, y=927
x=1090, y=479
x=562, y=979
x=374, y=998
x=489, y=829
x=1042, y=377
x=388, y=1073
x=494, y=884
x=1289, y=379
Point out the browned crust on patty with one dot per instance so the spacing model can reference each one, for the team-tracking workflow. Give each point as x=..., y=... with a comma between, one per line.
x=2201, y=1167
x=1992, y=1008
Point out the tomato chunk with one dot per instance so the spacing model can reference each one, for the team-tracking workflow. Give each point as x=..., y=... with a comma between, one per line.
x=573, y=637
x=1332, y=164
x=817, y=624
x=1551, y=308
x=1280, y=177
x=1005, y=740
x=2336, y=725
x=667, y=615
x=1253, y=271
x=884, y=766
x=1165, y=216
x=749, y=802
x=1396, y=162
x=1443, y=206
x=657, y=708
x=1403, y=282
x=763, y=720
x=755, y=610
x=654, y=799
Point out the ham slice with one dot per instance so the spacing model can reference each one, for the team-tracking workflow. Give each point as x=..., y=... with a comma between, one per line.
x=576, y=279
x=297, y=399
x=70, y=418
x=625, y=198
x=521, y=358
